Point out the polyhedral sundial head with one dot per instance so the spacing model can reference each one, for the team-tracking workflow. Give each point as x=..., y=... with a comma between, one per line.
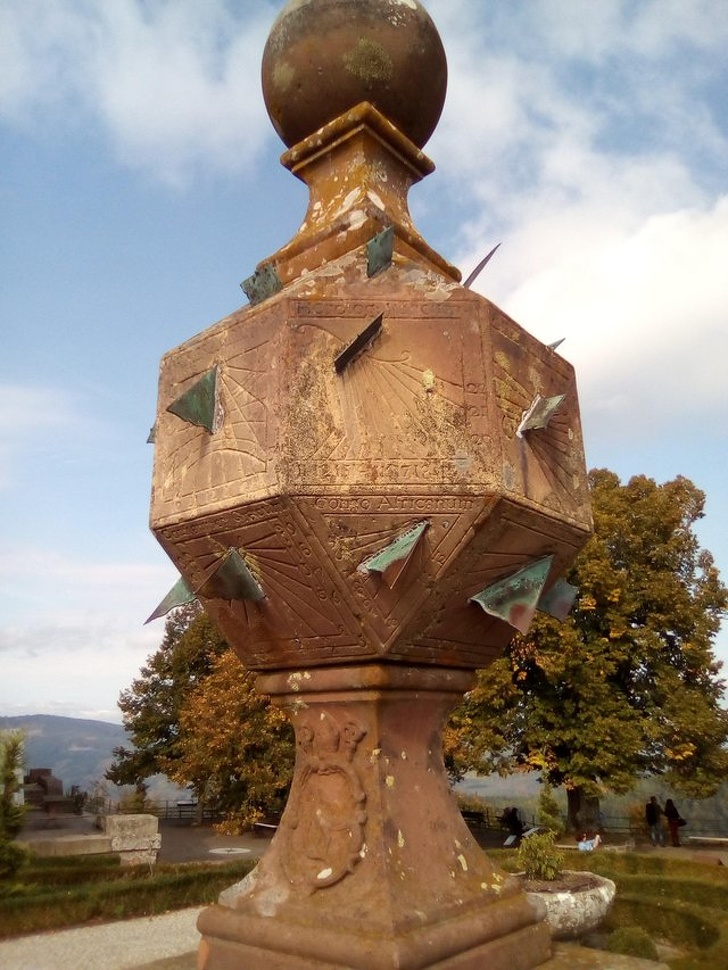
x=369, y=462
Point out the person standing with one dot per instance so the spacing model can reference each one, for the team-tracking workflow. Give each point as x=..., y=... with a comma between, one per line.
x=653, y=817
x=673, y=822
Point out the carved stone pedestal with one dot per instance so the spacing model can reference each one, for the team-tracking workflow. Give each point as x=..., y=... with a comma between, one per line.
x=372, y=866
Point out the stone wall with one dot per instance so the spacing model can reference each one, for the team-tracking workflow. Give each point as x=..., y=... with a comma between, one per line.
x=135, y=838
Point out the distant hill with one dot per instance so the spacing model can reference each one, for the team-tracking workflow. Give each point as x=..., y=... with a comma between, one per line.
x=706, y=815
x=521, y=785
x=77, y=751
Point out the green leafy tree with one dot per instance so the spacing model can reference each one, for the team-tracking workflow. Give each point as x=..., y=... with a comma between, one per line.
x=629, y=685
x=151, y=706
x=12, y=813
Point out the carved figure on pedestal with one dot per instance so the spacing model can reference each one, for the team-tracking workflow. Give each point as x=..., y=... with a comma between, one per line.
x=327, y=805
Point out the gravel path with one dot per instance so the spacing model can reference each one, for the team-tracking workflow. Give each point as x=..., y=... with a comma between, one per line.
x=171, y=939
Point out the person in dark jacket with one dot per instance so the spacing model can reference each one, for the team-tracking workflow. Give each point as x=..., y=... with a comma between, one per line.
x=673, y=822
x=511, y=820
x=653, y=817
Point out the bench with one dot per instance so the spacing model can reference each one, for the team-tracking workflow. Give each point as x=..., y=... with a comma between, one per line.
x=474, y=817
x=265, y=827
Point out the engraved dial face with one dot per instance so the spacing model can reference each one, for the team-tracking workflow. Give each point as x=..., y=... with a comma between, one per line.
x=403, y=413
x=312, y=469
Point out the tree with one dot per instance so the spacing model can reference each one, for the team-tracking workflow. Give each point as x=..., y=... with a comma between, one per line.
x=151, y=706
x=12, y=813
x=236, y=748
x=194, y=715
x=628, y=685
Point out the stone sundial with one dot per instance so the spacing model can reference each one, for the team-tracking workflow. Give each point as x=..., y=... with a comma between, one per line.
x=371, y=477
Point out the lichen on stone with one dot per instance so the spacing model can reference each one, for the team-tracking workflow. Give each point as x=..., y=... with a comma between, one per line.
x=369, y=61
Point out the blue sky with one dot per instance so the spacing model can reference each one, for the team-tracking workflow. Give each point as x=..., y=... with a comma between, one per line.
x=141, y=184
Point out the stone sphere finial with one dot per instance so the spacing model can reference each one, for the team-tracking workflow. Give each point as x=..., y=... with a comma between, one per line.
x=323, y=57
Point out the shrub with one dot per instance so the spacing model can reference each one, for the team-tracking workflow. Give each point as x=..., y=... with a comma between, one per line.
x=632, y=941
x=539, y=858
x=12, y=859
x=548, y=814
x=12, y=856
x=638, y=828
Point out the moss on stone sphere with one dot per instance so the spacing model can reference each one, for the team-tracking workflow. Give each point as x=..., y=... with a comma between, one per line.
x=323, y=57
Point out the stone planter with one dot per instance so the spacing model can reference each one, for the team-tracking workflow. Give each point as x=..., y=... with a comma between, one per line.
x=575, y=904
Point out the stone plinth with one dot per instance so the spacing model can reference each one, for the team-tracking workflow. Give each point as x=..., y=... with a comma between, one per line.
x=372, y=866
x=135, y=837
x=52, y=846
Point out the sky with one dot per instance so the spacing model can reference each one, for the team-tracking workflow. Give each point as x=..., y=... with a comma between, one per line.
x=141, y=183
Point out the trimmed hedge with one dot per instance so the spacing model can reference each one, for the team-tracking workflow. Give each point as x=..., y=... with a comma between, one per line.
x=633, y=941
x=678, y=923
x=129, y=893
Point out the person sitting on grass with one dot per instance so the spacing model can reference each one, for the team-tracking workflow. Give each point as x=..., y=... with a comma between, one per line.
x=585, y=844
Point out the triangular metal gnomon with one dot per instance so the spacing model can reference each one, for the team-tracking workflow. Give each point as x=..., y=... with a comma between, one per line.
x=515, y=598
x=539, y=414
x=200, y=404
x=558, y=600
x=392, y=560
x=231, y=580
x=179, y=595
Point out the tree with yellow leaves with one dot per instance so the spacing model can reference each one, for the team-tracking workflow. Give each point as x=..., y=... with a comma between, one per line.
x=629, y=685
x=235, y=748
x=194, y=715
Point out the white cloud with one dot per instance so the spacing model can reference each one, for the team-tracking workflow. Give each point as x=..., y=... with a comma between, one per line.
x=92, y=593
x=541, y=93
x=644, y=313
x=174, y=85
x=72, y=633
x=588, y=140
x=24, y=408
x=79, y=681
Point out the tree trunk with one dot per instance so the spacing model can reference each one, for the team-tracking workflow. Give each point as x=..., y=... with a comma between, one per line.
x=583, y=811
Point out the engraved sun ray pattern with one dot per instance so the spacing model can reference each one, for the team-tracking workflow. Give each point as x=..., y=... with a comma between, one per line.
x=555, y=449
x=384, y=400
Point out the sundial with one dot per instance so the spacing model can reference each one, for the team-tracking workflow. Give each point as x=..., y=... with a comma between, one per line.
x=371, y=477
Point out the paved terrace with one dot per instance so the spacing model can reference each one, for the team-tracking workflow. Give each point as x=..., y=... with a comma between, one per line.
x=169, y=942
